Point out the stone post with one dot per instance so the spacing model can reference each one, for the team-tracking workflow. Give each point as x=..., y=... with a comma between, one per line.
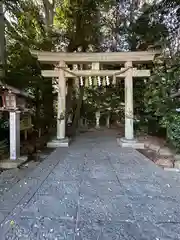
x=61, y=103
x=14, y=127
x=85, y=122
x=98, y=115
x=107, y=121
x=129, y=129
x=81, y=122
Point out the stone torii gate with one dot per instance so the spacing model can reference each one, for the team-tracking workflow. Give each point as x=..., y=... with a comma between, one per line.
x=62, y=72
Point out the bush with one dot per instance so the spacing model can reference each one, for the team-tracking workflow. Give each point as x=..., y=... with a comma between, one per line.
x=173, y=131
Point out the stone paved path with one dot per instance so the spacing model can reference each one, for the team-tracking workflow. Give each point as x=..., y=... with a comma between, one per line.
x=93, y=191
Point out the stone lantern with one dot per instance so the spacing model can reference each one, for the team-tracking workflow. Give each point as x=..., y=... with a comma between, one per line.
x=98, y=115
x=14, y=102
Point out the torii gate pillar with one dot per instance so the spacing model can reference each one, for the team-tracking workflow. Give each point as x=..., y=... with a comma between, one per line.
x=128, y=140
x=129, y=129
x=61, y=123
x=61, y=140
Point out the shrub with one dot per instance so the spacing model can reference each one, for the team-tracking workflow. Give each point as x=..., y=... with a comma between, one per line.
x=173, y=131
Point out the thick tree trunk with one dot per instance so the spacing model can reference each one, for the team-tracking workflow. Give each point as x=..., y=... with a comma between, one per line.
x=47, y=91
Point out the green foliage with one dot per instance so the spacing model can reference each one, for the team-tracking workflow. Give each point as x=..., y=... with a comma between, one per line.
x=164, y=79
x=159, y=104
x=148, y=31
x=107, y=100
x=80, y=21
x=173, y=131
x=22, y=69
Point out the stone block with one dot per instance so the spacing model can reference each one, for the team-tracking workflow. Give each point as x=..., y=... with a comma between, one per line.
x=177, y=164
x=130, y=144
x=55, y=143
x=165, y=151
x=177, y=157
x=166, y=163
x=147, y=144
x=171, y=169
x=154, y=147
x=10, y=164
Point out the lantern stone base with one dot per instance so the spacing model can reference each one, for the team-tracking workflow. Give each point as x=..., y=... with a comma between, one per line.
x=123, y=142
x=55, y=143
x=10, y=164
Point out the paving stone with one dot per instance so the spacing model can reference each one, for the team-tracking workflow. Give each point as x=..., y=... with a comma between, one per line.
x=172, y=229
x=119, y=209
x=40, y=173
x=64, y=207
x=13, y=197
x=155, y=209
x=100, y=171
x=7, y=180
x=60, y=189
x=129, y=172
x=65, y=174
x=121, y=230
x=101, y=189
x=159, y=231
x=71, y=162
x=93, y=210
x=67, y=170
x=41, y=228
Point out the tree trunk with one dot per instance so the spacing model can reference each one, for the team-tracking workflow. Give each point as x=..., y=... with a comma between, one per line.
x=38, y=108
x=49, y=14
x=77, y=111
x=2, y=42
x=69, y=101
x=132, y=37
x=47, y=91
